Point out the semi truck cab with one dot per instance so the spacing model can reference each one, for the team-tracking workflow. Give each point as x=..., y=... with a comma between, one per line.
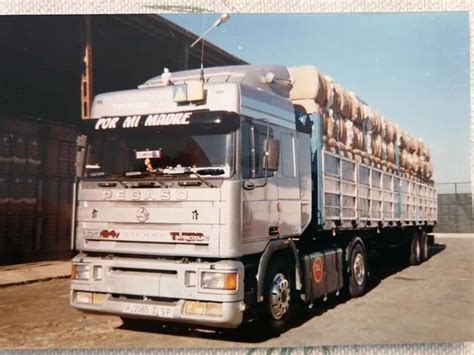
x=179, y=180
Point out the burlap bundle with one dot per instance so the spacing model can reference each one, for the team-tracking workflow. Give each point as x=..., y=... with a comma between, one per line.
x=349, y=130
x=404, y=159
x=360, y=114
x=338, y=100
x=389, y=132
x=416, y=163
x=377, y=145
x=346, y=107
x=355, y=111
x=376, y=122
x=407, y=142
x=322, y=97
x=414, y=145
x=391, y=152
x=341, y=133
x=328, y=126
x=384, y=153
x=409, y=162
x=358, y=138
x=429, y=170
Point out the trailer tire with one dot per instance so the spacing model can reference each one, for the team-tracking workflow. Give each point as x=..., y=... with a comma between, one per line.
x=357, y=271
x=279, y=297
x=415, y=249
x=425, y=251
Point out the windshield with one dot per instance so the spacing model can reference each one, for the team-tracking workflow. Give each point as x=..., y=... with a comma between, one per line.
x=208, y=149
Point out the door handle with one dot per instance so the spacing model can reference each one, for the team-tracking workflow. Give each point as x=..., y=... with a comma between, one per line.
x=249, y=185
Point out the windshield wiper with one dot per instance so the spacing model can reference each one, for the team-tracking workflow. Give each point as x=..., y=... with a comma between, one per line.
x=202, y=180
x=147, y=173
x=184, y=170
x=101, y=175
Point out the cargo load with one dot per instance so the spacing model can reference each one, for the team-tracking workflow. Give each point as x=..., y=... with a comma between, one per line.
x=356, y=130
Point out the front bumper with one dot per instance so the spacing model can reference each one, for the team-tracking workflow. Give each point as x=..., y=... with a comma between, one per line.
x=165, y=290
x=230, y=315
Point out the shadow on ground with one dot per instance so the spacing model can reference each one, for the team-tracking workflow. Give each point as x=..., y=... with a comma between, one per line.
x=382, y=266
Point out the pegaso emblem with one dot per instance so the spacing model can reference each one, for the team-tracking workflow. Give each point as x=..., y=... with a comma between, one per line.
x=142, y=215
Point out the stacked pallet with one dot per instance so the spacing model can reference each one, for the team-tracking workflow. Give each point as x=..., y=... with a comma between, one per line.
x=36, y=174
x=20, y=164
x=355, y=130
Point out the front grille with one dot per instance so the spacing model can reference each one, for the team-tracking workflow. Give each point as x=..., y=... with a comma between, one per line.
x=138, y=272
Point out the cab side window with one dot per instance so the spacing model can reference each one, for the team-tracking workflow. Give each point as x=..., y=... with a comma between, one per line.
x=288, y=155
x=253, y=150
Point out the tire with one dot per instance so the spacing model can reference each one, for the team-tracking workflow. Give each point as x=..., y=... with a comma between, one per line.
x=425, y=250
x=357, y=271
x=415, y=249
x=279, y=297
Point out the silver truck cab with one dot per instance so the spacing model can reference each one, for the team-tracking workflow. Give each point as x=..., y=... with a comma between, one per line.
x=176, y=187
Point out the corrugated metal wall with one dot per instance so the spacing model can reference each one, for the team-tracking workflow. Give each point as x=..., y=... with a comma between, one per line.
x=36, y=175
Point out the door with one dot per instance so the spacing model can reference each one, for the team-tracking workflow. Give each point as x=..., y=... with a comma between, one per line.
x=259, y=203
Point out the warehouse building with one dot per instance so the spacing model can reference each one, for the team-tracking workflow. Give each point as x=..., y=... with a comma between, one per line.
x=51, y=67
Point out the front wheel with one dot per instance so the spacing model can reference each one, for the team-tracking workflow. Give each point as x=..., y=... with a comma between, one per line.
x=280, y=296
x=357, y=271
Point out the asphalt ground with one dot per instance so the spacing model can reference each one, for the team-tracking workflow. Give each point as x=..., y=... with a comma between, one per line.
x=431, y=302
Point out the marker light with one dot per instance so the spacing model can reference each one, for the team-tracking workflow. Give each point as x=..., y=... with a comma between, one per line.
x=80, y=271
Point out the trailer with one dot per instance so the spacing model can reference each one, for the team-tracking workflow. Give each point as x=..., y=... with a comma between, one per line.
x=213, y=197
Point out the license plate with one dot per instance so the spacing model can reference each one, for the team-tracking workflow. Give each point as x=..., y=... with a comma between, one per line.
x=148, y=310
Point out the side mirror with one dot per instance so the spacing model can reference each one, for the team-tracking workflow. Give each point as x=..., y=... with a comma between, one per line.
x=272, y=154
x=81, y=142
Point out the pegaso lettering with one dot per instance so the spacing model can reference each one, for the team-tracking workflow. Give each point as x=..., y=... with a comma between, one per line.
x=150, y=195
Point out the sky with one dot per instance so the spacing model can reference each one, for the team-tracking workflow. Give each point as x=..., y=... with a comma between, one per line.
x=413, y=68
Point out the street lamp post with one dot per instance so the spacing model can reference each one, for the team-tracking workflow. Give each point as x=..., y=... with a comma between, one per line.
x=223, y=18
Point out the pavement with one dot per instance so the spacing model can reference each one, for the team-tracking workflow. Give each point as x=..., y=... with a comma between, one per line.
x=453, y=235
x=47, y=270
x=11, y=275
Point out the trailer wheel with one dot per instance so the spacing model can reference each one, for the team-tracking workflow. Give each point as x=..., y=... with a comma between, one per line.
x=415, y=249
x=425, y=251
x=357, y=271
x=280, y=296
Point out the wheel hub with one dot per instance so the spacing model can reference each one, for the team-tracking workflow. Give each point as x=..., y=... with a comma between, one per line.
x=359, y=269
x=279, y=296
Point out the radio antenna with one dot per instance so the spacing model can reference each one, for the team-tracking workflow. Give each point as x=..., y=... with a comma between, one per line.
x=223, y=18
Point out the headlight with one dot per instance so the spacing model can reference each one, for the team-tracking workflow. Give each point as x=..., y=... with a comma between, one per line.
x=81, y=272
x=219, y=280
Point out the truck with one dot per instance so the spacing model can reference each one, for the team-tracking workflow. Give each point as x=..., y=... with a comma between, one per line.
x=214, y=197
